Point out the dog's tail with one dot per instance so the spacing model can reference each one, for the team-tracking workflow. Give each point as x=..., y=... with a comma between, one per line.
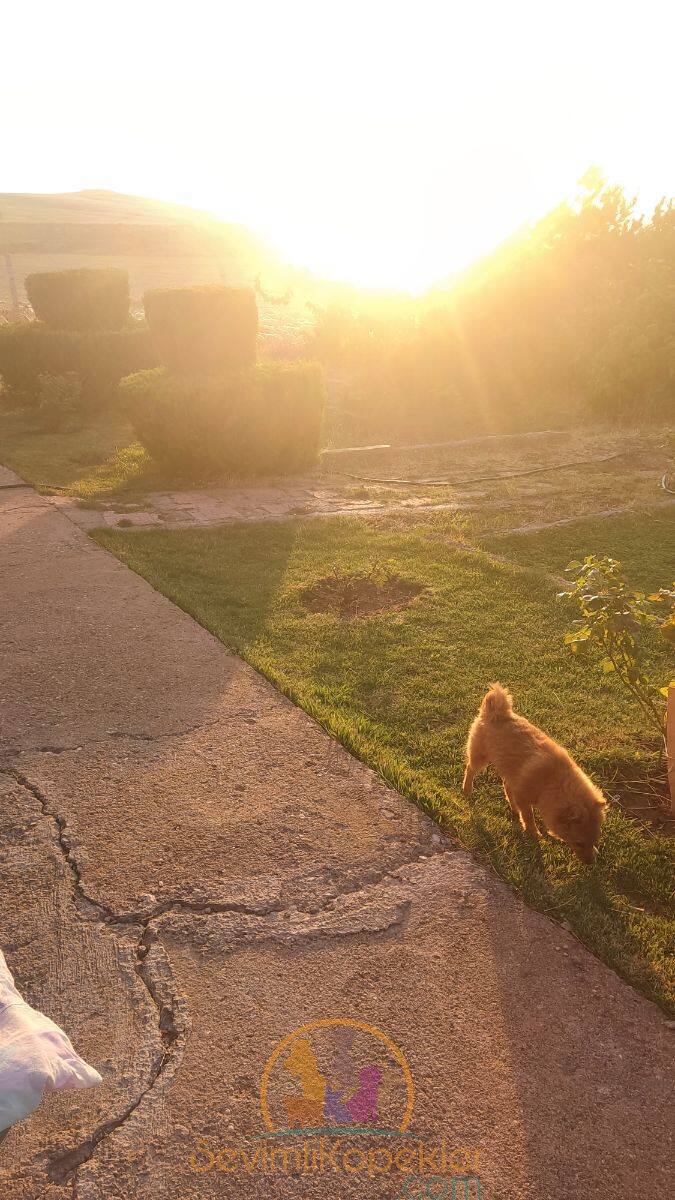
x=497, y=704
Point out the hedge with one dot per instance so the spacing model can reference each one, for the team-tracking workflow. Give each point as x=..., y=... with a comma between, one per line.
x=99, y=360
x=263, y=420
x=85, y=299
x=203, y=329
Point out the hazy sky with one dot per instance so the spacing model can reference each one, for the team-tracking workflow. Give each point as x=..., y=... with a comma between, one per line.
x=386, y=143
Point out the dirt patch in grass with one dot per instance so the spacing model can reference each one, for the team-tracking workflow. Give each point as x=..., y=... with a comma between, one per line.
x=643, y=795
x=359, y=594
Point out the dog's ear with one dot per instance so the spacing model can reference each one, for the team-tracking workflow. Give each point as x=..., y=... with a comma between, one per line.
x=569, y=816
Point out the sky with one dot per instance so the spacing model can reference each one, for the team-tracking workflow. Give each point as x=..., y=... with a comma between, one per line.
x=387, y=144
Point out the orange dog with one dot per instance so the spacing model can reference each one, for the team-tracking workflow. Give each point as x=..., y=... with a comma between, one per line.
x=535, y=771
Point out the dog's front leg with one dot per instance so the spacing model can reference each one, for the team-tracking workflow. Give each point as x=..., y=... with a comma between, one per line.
x=527, y=821
x=467, y=782
x=515, y=811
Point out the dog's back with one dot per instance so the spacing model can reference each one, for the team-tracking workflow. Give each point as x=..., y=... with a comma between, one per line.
x=504, y=739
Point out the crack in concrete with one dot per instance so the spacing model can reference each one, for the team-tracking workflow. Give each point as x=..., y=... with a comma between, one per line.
x=10, y=752
x=376, y=915
x=173, y=1021
x=173, y=1024
x=340, y=915
x=23, y=508
x=375, y=879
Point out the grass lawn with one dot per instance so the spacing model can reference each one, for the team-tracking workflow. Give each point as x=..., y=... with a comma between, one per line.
x=644, y=542
x=96, y=462
x=399, y=689
x=100, y=460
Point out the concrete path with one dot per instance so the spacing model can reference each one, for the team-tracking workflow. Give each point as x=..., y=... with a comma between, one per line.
x=191, y=870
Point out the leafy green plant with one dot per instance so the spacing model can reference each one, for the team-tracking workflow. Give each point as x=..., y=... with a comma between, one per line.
x=59, y=402
x=613, y=623
x=576, y=304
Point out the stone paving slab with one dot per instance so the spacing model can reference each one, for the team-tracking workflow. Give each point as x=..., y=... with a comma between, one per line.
x=224, y=506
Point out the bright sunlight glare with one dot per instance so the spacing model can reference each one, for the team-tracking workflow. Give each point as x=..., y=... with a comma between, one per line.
x=380, y=143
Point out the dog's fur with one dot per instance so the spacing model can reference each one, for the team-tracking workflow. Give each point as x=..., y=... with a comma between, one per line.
x=535, y=772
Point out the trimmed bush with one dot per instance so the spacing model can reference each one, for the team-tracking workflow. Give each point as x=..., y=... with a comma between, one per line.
x=59, y=402
x=85, y=299
x=99, y=360
x=209, y=329
x=265, y=420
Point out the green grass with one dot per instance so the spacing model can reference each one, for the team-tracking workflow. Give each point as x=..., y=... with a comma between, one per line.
x=399, y=689
x=99, y=460
x=644, y=542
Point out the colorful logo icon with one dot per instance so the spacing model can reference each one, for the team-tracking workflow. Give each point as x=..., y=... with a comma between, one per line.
x=337, y=1074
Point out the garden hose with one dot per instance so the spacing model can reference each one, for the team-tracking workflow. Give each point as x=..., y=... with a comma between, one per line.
x=487, y=478
x=664, y=483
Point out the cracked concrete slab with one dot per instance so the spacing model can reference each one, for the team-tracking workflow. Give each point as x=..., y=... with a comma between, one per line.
x=263, y=798
x=83, y=977
x=443, y=957
x=192, y=869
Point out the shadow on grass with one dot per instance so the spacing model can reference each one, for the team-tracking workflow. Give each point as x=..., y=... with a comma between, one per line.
x=231, y=602
x=87, y=460
x=620, y=909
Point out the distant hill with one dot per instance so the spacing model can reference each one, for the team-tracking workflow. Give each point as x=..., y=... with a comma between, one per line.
x=158, y=243
x=96, y=206
x=96, y=224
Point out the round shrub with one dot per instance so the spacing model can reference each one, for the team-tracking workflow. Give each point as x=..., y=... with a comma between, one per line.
x=84, y=299
x=99, y=360
x=264, y=420
x=203, y=329
x=59, y=402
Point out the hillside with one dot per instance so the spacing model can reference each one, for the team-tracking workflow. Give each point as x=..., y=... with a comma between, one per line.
x=158, y=243
x=97, y=206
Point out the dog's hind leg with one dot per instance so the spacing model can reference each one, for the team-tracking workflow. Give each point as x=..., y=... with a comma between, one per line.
x=476, y=759
x=476, y=764
x=467, y=782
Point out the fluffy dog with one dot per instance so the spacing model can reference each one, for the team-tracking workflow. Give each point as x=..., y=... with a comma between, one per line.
x=535, y=772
